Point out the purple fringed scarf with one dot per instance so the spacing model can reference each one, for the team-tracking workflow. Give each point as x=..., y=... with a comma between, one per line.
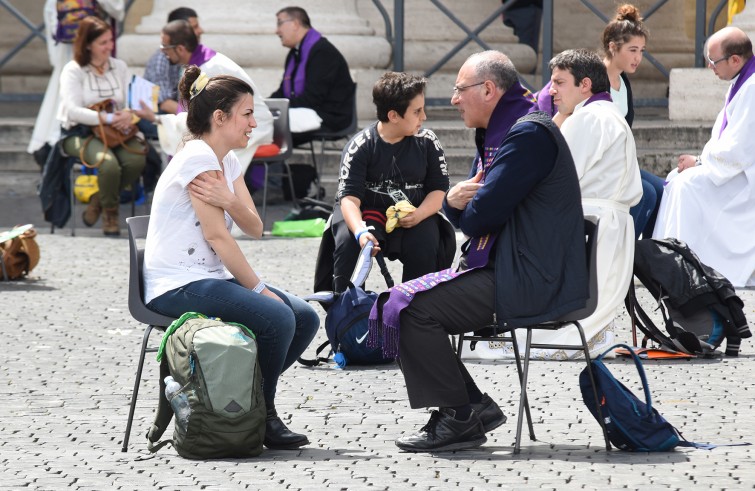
x=310, y=38
x=199, y=57
x=384, y=323
x=746, y=72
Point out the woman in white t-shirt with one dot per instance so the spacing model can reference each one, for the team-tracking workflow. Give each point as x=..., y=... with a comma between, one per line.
x=192, y=263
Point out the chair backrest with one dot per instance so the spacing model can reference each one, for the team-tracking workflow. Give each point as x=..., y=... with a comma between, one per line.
x=137, y=230
x=345, y=132
x=591, y=250
x=281, y=129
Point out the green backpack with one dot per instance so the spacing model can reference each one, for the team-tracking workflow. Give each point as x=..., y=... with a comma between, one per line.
x=215, y=363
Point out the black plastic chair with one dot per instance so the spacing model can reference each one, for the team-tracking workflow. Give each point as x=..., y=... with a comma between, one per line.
x=137, y=230
x=496, y=334
x=282, y=138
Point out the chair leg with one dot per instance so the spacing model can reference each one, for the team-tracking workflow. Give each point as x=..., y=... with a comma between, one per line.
x=518, y=359
x=523, y=393
x=586, y=351
x=291, y=184
x=135, y=393
x=73, y=203
x=264, y=198
x=314, y=160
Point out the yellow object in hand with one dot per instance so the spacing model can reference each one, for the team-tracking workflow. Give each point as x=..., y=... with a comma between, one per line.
x=396, y=212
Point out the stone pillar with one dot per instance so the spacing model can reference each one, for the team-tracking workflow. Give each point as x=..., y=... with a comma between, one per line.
x=745, y=20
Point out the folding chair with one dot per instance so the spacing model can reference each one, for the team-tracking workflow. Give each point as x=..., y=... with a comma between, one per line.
x=282, y=138
x=76, y=169
x=493, y=333
x=137, y=230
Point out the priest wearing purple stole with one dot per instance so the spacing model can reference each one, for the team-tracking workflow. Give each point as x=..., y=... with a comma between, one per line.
x=710, y=203
x=316, y=80
x=524, y=262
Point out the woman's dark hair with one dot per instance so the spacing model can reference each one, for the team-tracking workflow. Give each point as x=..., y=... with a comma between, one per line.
x=90, y=28
x=221, y=92
x=394, y=91
x=626, y=25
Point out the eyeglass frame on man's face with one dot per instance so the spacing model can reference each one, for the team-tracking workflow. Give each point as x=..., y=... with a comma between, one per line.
x=166, y=48
x=280, y=22
x=716, y=62
x=458, y=90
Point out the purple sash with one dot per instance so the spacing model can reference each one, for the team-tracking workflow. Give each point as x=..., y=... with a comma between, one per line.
x=746, y=72
x=600, y=96
x=310, y=38
x=199, y=57
x=384, y=326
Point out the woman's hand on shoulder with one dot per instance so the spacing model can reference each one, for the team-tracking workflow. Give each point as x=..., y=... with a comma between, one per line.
x=211, y=188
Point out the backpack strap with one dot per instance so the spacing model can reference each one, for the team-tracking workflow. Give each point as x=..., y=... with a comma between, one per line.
x=163, y=415
x=318, y=359
x=637, y=364
x=642, y=320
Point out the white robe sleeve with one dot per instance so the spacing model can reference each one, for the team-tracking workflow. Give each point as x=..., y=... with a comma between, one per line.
x=733, y=152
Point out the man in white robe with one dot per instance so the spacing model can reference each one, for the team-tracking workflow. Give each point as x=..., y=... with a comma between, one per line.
x=605, y=156
x=180, y=45
x=710, y=204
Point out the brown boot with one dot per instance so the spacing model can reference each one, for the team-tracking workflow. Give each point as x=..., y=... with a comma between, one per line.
x=110, y=223
x=93, y=211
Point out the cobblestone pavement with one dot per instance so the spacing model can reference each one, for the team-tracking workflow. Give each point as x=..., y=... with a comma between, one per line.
x=70, y=352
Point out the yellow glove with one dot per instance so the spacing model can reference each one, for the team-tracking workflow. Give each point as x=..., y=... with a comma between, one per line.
x=395, y=212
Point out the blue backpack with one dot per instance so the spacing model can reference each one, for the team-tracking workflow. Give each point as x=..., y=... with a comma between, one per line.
x=632, y=425
x=346, y=322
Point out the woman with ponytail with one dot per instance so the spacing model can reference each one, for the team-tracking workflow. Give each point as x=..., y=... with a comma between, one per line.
x=192, y=262
x=623, y=44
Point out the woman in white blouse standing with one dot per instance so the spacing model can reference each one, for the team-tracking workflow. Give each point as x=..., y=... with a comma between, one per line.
x=91, y=77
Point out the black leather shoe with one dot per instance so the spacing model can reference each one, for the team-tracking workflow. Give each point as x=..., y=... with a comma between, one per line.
x=278, y=436
x=490, y=414
x=443, y=433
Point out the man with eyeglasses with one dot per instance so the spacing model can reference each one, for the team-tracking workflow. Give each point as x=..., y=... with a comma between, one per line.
x=709, y=201
x=160, y=71
x=181, y=46
x=523, y=264
x=316, y=80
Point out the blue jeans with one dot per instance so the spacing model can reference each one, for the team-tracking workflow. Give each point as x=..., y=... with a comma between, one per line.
x=283, y=330
x=645, y=212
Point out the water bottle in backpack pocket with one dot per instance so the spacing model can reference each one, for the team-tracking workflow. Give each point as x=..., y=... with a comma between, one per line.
x=214, y=367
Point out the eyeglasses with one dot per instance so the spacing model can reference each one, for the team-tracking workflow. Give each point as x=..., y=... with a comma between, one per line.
x=164, y=47
x=714, y=63
x=283, y=21
x=459, y=90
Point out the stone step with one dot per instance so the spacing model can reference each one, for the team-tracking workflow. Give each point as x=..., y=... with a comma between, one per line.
x=658, y=144
x=15, y=131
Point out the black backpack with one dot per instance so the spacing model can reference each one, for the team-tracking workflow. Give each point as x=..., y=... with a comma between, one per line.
x=699, y=305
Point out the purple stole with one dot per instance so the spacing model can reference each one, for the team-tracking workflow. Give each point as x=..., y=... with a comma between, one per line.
x=199, y=57
x=299, y=78
x=747, y=70
x=384, y=323
x=600, y=96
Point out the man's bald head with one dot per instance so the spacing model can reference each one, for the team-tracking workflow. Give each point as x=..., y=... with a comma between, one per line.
x=494, y=66
x=733, y=41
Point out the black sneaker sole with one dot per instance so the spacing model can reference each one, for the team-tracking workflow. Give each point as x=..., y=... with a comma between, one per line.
x=288, y=446
x=491, y=425
x=446, y=448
